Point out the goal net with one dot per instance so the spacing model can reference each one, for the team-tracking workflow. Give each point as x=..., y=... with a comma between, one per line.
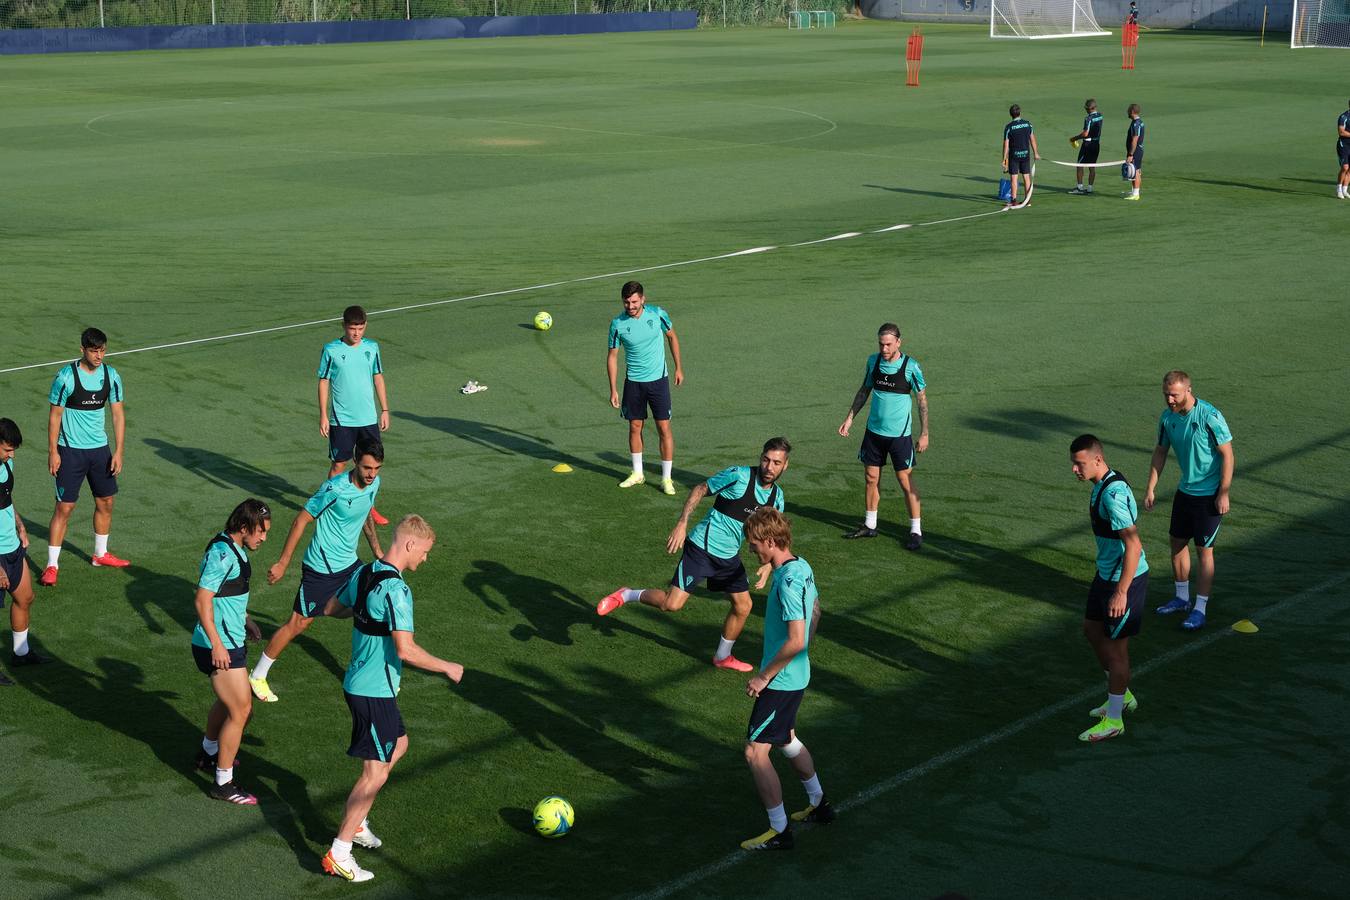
x=1044, y=19
x=1320, y=23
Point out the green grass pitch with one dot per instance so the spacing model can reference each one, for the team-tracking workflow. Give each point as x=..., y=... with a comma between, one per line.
x=173, y=196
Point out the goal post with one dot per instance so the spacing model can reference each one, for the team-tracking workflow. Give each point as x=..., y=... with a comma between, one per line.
x=1039, y=19
x=1320, y=23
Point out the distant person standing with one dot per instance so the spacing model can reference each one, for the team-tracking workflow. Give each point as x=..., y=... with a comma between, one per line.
x=14, y=577
x=351, y=377
x=1343, y=154
x=1090, y=148
x=639, y=330
x=1019, y=149
x=1134, y=149
x=1132, y=18
x=1204, y=446
x=78, y=449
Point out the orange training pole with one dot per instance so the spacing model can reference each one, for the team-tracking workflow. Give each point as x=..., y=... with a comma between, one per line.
x=913, y=58
x=1129, y=42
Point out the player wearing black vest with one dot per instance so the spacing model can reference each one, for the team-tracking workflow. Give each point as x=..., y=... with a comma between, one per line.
x=1090, y=149
x=711, y=552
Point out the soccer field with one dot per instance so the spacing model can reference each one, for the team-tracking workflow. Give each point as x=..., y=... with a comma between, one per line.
x=456, y=188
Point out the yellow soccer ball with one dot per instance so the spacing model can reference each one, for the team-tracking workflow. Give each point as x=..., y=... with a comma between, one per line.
x=543, y=321
x=553, y=817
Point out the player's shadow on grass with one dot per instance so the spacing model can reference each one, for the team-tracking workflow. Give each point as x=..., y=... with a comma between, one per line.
x=116, y=699
x=945, y=195
x=227, y=472
x=41, y=531
x=1251, y=186
x=505, y=441
x=172, y=595
x=1030, y=425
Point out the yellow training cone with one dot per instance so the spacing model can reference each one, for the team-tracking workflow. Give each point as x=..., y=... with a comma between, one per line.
x=563, y=468
x=1245, y=627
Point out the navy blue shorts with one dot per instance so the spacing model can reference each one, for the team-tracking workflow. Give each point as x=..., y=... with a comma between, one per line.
x=723, y=575
x=78, y=466
x=12, y=563
x=1343, y=154
x=774, y=717
x=317, y=588
x=639, y=395
x=1019, y=165
x=1138, y=158
x=1099, y=603
x=875, y=448
x=342, y=439
x=1195, y=518
x=203, y=657
x=376, y=726
x=1088, y=151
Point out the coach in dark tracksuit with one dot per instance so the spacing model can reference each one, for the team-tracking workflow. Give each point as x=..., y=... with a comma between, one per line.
x=1019, y=148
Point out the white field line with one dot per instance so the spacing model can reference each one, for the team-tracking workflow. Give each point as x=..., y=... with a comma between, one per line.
x=502, y=293
x=974, y=746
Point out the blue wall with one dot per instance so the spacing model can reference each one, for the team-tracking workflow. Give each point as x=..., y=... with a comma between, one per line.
x=195, y=37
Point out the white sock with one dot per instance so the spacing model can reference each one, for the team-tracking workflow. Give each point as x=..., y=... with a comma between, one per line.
x=1134, y=192
x=1089, y=188
x=637, y=463
x=723, y=648
x=778, y=818
x=1080, y=185
x=342, y=850
x=210, y=746
x=914, y=527
x=263, y=667
x=870, y=518
x=632, y=595
x=100, y=544
x=666, y=465
x=1183, y=590
x=224, y=776
x=1201, y=603
x=21, y=642
x=814, y=792
x=53, y=557
x=1115, y=706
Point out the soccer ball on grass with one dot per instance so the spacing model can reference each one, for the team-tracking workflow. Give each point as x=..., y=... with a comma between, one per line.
x=553, y=817
x=543, y=321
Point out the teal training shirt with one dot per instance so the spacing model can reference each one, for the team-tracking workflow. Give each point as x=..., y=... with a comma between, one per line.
x=9, y=531
x=376, y=670
x=1196, y=437
x=218, y=566
x=83, y=429
x=892, y=415
x=721, y=536
x=792, y=597
x=339, y=509
x=1117, y=506
x=350, y=372
x=641, y=339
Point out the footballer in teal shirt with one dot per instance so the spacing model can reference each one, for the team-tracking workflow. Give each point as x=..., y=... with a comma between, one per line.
x=14, y=577
x=341, y=511
x=640, y=330
x=78, y=449
x=791, y=615
x=897, y=387
x=1115, y=604
x=218, y=642
x=380, y=604
x=351, y=378
x=1199, y=434
x=711, y=551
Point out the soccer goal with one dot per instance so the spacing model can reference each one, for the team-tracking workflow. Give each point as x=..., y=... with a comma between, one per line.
x=1320, y=23
x=1044, y=19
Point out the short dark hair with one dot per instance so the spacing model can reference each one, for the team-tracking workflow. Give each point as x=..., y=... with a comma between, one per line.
x=92, y=339
x=248, y=516
x=1133, y=110
x=1087, y=442
x=10, y=434
x=630, y=288
x=777, y=443
x=353, y=315
x=1090, y=103
x=1014, y=110
x=367, y=446
x=889, y=328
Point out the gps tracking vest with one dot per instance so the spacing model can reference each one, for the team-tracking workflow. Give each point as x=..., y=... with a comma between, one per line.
x=740, y=508
x=238, y=585
x=890, y=384
x=7, y=489
x=83, y=398
x=368, y=580
x=1101, y=525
